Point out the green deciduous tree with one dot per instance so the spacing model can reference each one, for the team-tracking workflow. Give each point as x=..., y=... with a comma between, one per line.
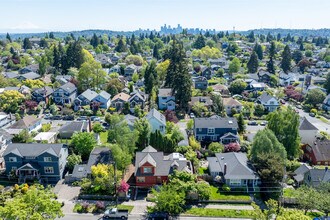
x=217, y=104
x=285, y=123
x=216, y=147
x=143, y=128
x=315, y=97
x=253, y=63
x=27, y=44
x=234, y=65
x=73, y=160
x=10, y=100
x=83, y=143
x=306, y=198
x=35, y=203
x=237, y=86
x=91, y=76
x=286, y=59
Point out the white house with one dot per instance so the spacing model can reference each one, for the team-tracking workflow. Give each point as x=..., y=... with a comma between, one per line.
x=269, y=102
x=156, y=120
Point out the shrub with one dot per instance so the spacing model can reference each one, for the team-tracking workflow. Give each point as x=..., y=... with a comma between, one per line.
x=123, y=187
x=313, y=110
x=226, y=188
x=99, y=206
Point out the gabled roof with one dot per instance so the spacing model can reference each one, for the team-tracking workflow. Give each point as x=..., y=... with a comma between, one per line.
x=321, y=150
x=29, y=166
x=69, y=87
x=157, y=115
x=307, y=126
x=105, y=95
x=33, y=149
x=149, y=149
x=165, y=92
x=237, y=165
x=300, y=172
x=100, y=155
x=231, y=102
x=74, y=126
x=44, y=91
x=25, y=122
x=265, y=97
x=88, y=94
x=30, y=75
x=148, y=159
x=122, y=96
x=215, y=122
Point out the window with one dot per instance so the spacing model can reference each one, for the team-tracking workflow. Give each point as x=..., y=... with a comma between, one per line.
x=47, y=159
x=12, y=159
x=199, y=129
x=235, y=182
x=272, y=103
x=319, y=163
x=30, y=158
x=147, y=169
x=141, y=179
x=244, y=182
x=49, y=169
x=214, y=138
x=210, y=130
x=13, y=168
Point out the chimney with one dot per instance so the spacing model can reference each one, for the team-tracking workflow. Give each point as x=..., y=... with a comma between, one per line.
x=326, y=169
x=225, y=169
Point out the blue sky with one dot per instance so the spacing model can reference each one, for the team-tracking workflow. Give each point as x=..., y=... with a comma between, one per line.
x=65, y=15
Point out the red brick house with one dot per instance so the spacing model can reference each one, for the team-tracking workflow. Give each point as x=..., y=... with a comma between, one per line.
x=318, y=152
x=153, y=167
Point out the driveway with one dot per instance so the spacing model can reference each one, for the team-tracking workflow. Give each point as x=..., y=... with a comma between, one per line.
x=67, y=194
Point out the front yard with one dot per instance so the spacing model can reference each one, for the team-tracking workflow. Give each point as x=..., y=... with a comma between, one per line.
x=234, y=196
x=219, y=212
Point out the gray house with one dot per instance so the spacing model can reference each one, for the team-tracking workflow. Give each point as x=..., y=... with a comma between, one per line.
x=42, y=162
x=269, y=102
x=234, y=170
x=200, y=82
x=216, y=129
x=42, y=94
x=67, y=130
x=65, y=94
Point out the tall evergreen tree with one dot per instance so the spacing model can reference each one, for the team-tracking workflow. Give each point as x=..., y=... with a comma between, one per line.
x=301, y=47
x=43, y=43
x=270, y=66
x=51, y=35
x=258, y=49
x=155, y=52
x=286, y=59
x=251, y=37
x=149, y=77
x=297, y=56
x=27, y=44
x=121, y=47
x=253, y=63
x=95, y=41
x=278, y=38
x=200, y=42
x=43, y=65
x=74, y=56
x=178, y=76
x=56, y=58
x=8, y=37
x=272, y=49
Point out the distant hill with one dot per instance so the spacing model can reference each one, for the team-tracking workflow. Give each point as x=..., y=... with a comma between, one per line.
x=88, y=33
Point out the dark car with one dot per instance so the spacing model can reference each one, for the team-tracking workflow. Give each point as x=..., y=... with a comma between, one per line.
x=56, y=117
x=82, y=118
x=252, y=123
x=158, y=216
x=312, y=114
x=68, y=118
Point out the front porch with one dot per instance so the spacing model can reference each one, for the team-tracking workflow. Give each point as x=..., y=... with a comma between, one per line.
x=27, y=172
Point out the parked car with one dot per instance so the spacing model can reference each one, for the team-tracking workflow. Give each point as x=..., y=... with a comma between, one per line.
x=48, y=116
x=95, y=118
x=158, y=215
x=192, y=115
x=252, y=123
x=282, y=101
x=56, y=117
x=115, y=213
x=82, y=118
x=312, y=114
x=68, y=118
x=264, y=123
x=299, y=107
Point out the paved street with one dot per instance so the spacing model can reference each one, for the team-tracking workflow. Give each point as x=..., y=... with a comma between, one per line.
x=137, y=217
x=322, y=126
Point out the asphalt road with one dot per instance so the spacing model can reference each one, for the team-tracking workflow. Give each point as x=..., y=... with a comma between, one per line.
x=137, y=217
x=322, y=126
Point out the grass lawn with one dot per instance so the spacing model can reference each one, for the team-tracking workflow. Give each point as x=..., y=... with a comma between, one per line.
x=202, y=170
x=220, y=213
x=64, y=141
x=216, y=195
x=104, y=137
x=324, y=119
x=289, y=193
x=127, y=207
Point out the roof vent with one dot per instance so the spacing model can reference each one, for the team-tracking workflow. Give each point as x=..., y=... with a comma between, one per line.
x=230, y=122
x=222, y=158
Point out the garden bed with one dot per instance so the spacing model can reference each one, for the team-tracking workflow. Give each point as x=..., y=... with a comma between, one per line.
x=98, y=207
x=216, y=195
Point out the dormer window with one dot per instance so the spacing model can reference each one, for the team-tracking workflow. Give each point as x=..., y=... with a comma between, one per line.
x=12, y=159
x=147, y=169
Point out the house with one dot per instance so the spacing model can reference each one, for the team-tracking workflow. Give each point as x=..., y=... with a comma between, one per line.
x=153, y=167
x=103, y=59
x=97, y=156
x=222, y=89
x=119, y=100
x=200, y=82
x=63, y=79
x=46, y=137
x=166, y=99
x=22, y=89
x=286, y=79
x=254, y=85
x=130, y=120
x=42, y=162
x=137, y=99
x=5, y=139
x=67, y=130
x=216, y=129
x=42, y=94
x=157, y=121
x=4, y=120
x=65, y=94
x=205, y=100
x=29, y=68
x=29, y=75
x=234, y=170
x=10, y=75
x=299, y=173
x=29, y=123
x=326, y=103
x=219, y=61
x=307, y=131
x=230, y=104
x=84, y=99
x=129, y=71
x=206, y=72
x=264, y=76
x=318, y=152
x=103, y=99
x=269, y=102
x=313, y=177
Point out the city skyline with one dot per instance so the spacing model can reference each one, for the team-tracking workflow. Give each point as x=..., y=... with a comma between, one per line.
x=129, y=15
